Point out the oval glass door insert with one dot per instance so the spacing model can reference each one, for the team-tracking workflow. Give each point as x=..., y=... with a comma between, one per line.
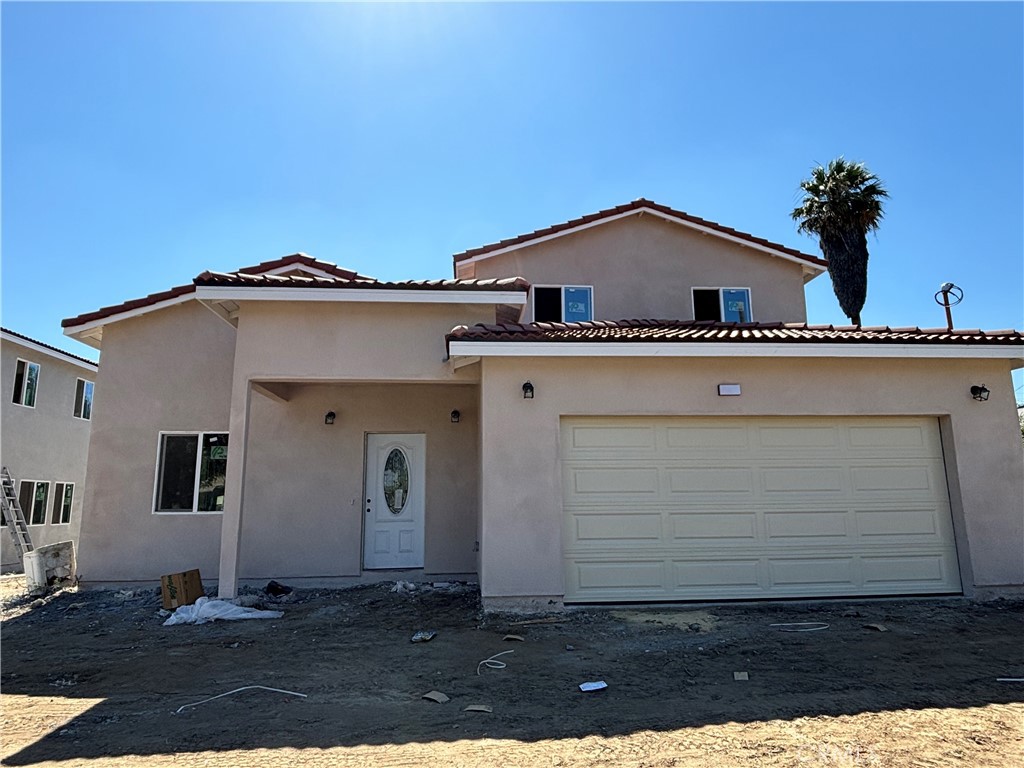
x=396, y=481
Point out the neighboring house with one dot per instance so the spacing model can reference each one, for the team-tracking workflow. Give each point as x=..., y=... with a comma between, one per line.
x=295, y=420
x=46, y=413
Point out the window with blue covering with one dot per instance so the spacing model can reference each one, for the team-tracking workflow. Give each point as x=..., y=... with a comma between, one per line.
x=563, y=303
x=731, y=305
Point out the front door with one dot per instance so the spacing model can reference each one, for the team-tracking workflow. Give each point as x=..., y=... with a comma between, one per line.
x=395, y=476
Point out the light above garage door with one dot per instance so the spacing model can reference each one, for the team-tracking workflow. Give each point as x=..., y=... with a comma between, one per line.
x=661, y=509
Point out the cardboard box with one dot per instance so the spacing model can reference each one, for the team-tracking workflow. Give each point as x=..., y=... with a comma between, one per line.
x=181, y=588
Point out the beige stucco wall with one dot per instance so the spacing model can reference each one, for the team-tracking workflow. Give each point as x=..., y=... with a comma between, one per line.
x=166, y=370
x=303, y=511
x=644, y=267
x=175, y=369
x=521, y=548
x=44, y=443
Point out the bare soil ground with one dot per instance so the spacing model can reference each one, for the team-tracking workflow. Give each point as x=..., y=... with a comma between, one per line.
x=93, y=678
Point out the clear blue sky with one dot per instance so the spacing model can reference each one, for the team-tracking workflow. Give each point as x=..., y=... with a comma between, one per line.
x=144, y=143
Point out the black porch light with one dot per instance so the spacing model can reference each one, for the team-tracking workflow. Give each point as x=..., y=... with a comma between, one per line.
x=456, y=416
x=527, y=390
x=329, y=417
x=980, y=393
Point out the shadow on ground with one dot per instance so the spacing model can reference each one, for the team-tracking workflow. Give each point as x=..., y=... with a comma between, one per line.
x=349, y=651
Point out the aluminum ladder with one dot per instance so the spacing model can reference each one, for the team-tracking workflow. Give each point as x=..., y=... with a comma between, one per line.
x=13, y=516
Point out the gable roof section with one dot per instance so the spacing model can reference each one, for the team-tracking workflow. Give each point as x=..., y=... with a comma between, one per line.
x=306, y=276
x=39, y=346
x=706, y=338
x=240, y=279
x=813, y=264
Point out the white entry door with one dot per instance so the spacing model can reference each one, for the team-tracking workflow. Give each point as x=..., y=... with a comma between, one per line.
x=395, y=478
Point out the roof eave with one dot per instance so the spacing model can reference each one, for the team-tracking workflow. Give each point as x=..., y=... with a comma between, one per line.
x=494, y=348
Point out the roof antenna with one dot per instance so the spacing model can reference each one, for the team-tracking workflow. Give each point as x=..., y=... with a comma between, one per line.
x=951, y=296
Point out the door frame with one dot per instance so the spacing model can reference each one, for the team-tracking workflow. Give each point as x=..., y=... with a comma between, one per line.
x=362, y=505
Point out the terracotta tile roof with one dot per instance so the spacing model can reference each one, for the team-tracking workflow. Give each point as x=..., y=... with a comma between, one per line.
x=633, y=206
x=239, y=279
x=29, y=339
x=302, y=259
x=296, y=259
x=667, y=331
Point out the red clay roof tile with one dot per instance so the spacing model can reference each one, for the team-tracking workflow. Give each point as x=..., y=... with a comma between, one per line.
x=662, y=331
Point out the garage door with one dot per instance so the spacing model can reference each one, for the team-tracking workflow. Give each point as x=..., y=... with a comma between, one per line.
x=685, y=508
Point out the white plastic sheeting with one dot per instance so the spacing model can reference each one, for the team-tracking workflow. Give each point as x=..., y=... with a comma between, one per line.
x=205, y=610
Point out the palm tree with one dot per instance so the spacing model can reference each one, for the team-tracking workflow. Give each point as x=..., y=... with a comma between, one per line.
x=842, y=203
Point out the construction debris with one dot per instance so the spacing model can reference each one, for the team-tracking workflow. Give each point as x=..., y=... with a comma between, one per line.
x=424, y=636
x=598, y=685
x=479, y=708
x=237, y=690
x=437, y=696
x=520, y=638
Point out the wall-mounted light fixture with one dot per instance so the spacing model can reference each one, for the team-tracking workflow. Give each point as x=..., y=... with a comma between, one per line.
x=329, y=417
x=456, y=416
x=980, y=393
x=527, y=390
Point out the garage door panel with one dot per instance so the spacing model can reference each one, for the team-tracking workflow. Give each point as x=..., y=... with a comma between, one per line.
x=618, y=527
x=714, y=526
x=802, y=525
x=599, y=439
x=710, y=480
x=613, y=481
x=689, y=574
x=903, y=569
x=796, y=480
x=701, y=439
x=902, y=523
x=898, y=478
x=799, y=438
x=715, y=508
x=832, y=571
x=621, y=575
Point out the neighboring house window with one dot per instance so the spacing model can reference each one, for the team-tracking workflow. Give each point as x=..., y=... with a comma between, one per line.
x=190, y=472
x=63, y=495
x=83, y=399
x=563, y=303
x=26, y=382
x=731, y=305
x=33, y=495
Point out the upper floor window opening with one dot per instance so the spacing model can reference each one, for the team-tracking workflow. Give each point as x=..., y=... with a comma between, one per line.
x=26, y=383
x=83, y=399
x=563, y=303
x=730, y=305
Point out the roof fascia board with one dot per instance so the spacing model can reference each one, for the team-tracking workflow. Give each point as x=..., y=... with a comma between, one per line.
x=813, y=268
x=65, y=357
x=727, y=349
x=76, y=330
x=414, y=296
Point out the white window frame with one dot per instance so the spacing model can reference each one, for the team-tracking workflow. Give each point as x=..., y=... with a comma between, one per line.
x=561, y=287
x=28, y=513
x=85, y=385
x=58, y=503
x=199, y=434
x=19, y=397
x=721, y=300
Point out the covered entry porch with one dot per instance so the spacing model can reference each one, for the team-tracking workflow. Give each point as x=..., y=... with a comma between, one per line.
x=351, y=481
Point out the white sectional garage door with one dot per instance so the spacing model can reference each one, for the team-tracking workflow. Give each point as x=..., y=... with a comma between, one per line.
x=719, y=508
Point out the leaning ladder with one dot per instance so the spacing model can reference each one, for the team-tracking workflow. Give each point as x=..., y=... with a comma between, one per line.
x=13, y=516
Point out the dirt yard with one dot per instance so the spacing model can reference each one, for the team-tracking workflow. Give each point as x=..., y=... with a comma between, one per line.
x=93, y=678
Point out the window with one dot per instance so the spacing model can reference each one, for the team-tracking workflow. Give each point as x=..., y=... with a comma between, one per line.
x=63, y=495
x=33, y=495
x=83, y=399
x=731, y=305
x=190, y=472
x=563, y=303
x=26, y=383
